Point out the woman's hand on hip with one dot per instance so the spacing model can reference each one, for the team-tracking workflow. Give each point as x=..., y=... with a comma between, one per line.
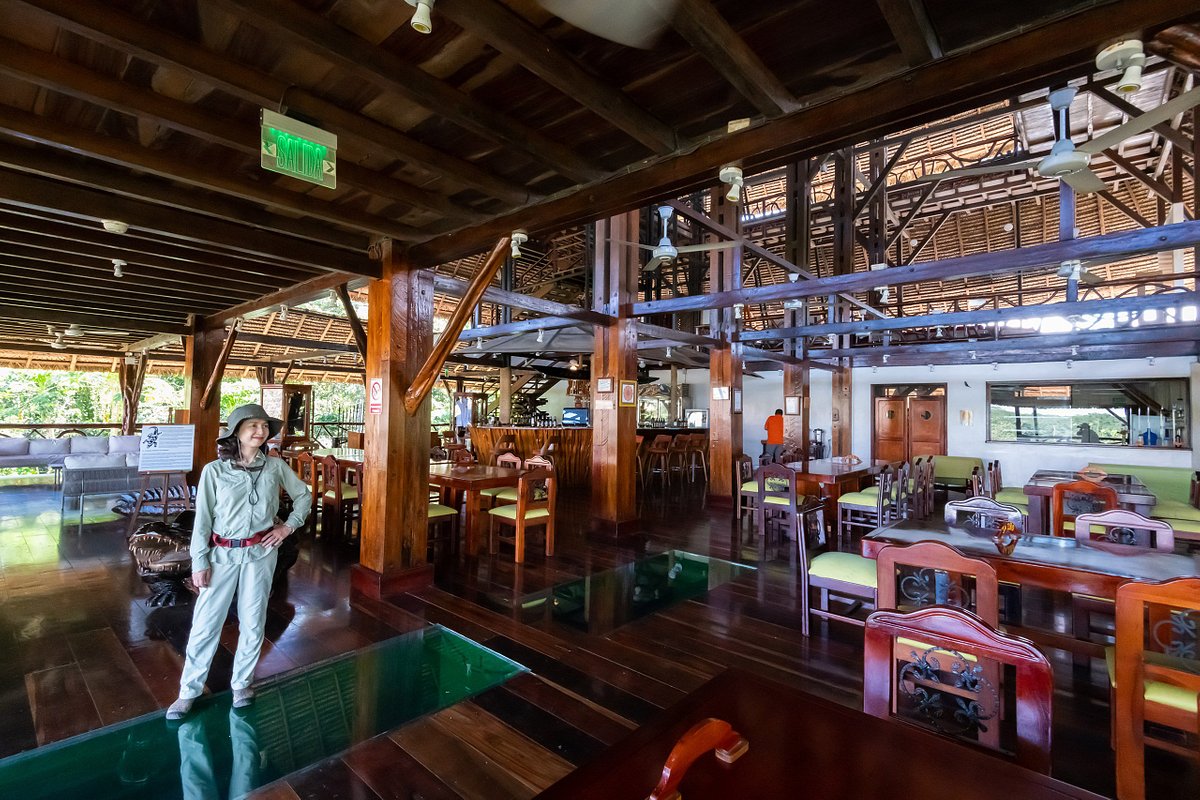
x=202, y=579
x=276, y=535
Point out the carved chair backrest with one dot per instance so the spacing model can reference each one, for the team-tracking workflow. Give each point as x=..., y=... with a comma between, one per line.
x=982, y=514
x=932, y=573
x=509, y=460
x=1069, y=499
x=1124, y=530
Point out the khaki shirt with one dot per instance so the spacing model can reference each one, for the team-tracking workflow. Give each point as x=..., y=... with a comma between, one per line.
x=223, y=507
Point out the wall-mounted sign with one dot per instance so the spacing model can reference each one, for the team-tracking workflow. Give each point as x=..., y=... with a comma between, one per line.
x=604, y=384
x=375, y=396
x=166, y=448
x=291, y=147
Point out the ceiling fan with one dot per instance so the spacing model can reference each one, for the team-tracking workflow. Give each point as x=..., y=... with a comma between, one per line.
x=59, y=338
x=1070, y=163
x=665, y=252
x=633, y=23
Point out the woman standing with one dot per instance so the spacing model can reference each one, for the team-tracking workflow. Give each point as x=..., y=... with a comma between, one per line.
x=234, y=547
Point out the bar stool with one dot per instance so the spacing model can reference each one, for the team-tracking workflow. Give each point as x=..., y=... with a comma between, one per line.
x=640, y=455
x=697, y=450
x=658, y=459
x=677, y=454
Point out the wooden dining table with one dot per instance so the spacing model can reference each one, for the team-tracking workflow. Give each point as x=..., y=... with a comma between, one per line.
x=1131, y=494
x=802, y=746
x=473, y=479
x=1052, y=562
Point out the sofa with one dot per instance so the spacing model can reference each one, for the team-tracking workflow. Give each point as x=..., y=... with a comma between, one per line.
x=954, y=472
x=71, y=452
x=1172, y=487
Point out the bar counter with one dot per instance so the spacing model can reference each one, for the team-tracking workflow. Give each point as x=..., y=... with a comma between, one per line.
x=572, y=461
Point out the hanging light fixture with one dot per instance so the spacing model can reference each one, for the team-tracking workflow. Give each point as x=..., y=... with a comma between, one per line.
x=119, y=266
x=422, y=20
x=283, y=313
x=541, y=337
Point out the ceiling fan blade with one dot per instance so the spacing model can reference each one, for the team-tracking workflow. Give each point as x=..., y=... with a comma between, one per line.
x=1089, y=277
x=1142, y=122
x=983, y=169
x=633, y=23
x=1085, y=181
x=636, y=244
x=700, y=248
x=655, y=263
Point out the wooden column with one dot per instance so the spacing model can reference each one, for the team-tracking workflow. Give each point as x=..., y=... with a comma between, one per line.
x=396, y=463
x=132, y=378
x=796, y=431
x=614, y=427
x=843, y=258
x=506, y=395
x=796, y=382
x=725, y=366
x=202, y=355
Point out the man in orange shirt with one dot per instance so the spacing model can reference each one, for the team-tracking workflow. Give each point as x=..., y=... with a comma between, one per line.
x=774, y=429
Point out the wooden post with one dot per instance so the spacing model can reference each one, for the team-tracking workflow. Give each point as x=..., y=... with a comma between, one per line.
x=796, y=433
x=132, y=378
x=614, y=426
x=725, y=367
x=395, y=489
x=506, y=385
x=843, y=258
x=202, y=352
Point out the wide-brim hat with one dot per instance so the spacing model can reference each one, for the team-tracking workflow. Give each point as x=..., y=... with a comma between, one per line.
x=251, y=411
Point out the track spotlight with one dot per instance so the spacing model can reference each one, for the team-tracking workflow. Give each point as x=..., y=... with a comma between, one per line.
x=885, y=358
x=119, y=266
x=973, y=353
x=732, y=176
x=519, y=237
x=283, y=313
x=1070, y=363
x=995, y=366
x=421, y=22
x=541, y=337
x=1150, y=360
x=669, y=353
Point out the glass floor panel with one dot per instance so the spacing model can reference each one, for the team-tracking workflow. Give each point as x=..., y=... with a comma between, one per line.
x=296, y=720
x=605, y=601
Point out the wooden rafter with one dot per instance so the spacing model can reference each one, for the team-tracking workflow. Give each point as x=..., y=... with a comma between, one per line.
x=913, y=31
x=214, y=379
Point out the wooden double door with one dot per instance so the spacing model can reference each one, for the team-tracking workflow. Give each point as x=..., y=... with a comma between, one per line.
x=909, y=426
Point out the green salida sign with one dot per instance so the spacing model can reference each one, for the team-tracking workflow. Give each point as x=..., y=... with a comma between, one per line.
x=291, y=147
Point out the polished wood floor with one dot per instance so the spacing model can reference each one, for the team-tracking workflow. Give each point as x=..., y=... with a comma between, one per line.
x=82, y=650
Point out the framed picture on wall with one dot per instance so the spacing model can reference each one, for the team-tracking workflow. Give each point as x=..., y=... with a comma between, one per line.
x=720, y=393
x=628, y=393
x=791, y=405
x=737, y=401
x=604, y=384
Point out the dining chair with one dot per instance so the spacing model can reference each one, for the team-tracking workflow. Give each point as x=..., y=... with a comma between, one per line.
x=745, y=486
x=507, y=444
x=997, y=491
x=499, y=495
x=869, y=510
x=355, y=439
x=847, y=578
x=445, y=520
x=982, y=514
x=309, y=470
x=1119, y=531
x=534, y=508
x=775, y=509
x=932, y=573
x=1154, y=674
x=939, y=668
x=1071, y=498
x=340, y=500
x=460, y=455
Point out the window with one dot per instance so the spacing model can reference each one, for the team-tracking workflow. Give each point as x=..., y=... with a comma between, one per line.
x=1145, y=413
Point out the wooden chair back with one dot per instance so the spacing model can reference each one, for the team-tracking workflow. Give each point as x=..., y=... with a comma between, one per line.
x=509, y=460
x=535, y=490
x=982, y=514
x=661, y=444
x=939, y=668
x=932, y=573
x=923, y=491
x=539, y=462
x=309, y=471
x=1122, y=530
x=1072, y=498
x=995, y=482
x=775, y=481
x=461, y=455
x=1157, y=641
x=902, y=500
x=885, y=479
x=333, y=477
x=355, y=439
x=976, y=484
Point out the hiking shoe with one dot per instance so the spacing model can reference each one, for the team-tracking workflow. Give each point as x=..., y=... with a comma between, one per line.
x=180, y=708
x=243, y=697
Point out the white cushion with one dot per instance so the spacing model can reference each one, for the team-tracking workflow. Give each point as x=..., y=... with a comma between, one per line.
x=13, y=446
x=49, y=447
x=94, y=461
x=131, y=459
x=89, y=444
x=125, y=444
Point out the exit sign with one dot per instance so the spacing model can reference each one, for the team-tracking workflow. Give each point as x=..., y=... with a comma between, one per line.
x=294, y=148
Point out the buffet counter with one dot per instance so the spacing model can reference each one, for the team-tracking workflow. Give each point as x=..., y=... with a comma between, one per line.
x=572, y=461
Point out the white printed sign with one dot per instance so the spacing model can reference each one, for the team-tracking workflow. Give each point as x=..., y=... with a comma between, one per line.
x=166, y=448
x=375, y=396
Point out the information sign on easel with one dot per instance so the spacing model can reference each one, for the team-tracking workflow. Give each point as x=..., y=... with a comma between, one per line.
x=164, y=454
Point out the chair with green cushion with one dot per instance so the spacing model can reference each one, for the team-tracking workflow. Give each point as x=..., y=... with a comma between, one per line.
x=953, y=473
x=775, y=509
x=339, y=501
x=997, y=491
x=1155, y=675
x=846, y=576
x=870, y=510
x=536, y=495
x=445, y=519
x=744, y=485
x=498, y=495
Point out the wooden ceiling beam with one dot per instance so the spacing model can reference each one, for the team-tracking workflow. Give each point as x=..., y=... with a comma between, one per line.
x=458, y=288
x=72, y=302
x=912, y=30
x=519, y=326
x=86, y=238
x=155, y=342
x=115, y=320
x=296, y=343
x=527, y=46
x=292, y=295
x=959, y=82
x=175, y=167
x=1131, y=169
x=380, y=68
x=134, y=280
x=705, y=29
x=1095, y=249
x=51, y=286
x=672, y=335
x=60, y=75
x=28, y=191
x=982, y=316
x=102, y=23
x=1097, y=352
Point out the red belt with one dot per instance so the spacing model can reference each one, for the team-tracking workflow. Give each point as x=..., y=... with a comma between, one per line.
x=221, y=541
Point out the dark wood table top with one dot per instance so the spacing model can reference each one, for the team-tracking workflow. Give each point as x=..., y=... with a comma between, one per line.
x=473, y=477
x=827, y=469
x=802, y=746
x=1130, y=490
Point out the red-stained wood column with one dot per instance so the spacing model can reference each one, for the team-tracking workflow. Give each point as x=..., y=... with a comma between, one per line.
x=396, y=463
x=725, y=367
x=202, y=354
x=614, y=426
